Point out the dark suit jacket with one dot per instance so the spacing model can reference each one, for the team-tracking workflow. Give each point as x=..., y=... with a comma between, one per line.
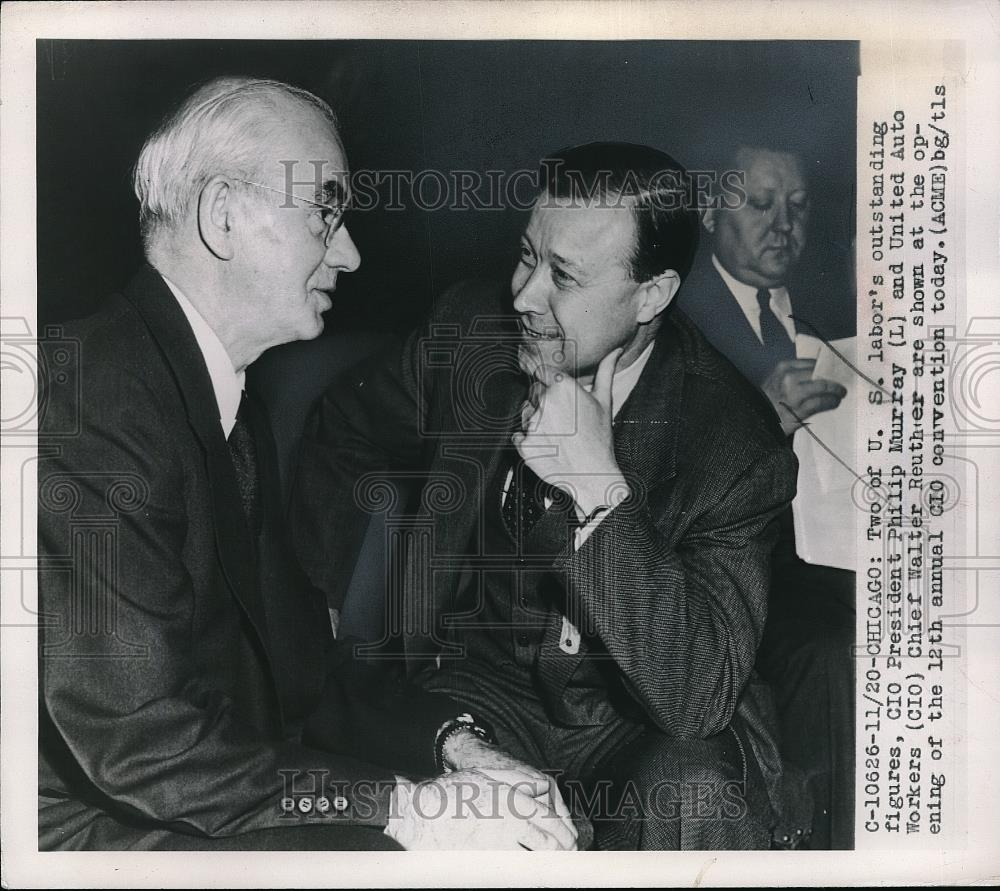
x=708, y=302
x=810, y=605
x=179, y=661
x=673, y=582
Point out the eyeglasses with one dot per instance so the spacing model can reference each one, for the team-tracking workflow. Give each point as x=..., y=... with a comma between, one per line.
x=332, y=216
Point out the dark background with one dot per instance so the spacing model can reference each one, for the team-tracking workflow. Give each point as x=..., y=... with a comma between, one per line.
x=446, y=105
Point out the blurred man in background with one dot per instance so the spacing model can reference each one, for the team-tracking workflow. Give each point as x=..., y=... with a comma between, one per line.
x=738, y=295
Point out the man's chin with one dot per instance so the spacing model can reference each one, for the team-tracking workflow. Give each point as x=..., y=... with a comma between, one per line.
x=313, y=328
x=321, y=304
x=777, y=264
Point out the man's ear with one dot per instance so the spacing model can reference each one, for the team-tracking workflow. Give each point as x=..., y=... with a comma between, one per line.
x=215, y=217
x=656, y=295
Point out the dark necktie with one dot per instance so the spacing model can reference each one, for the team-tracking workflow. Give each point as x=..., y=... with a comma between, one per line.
x=525, y=502
x=243, y=450
x=773, y=335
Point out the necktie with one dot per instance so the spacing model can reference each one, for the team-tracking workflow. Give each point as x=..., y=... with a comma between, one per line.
x=777, y=343
x=525, y=502
x=243, y=450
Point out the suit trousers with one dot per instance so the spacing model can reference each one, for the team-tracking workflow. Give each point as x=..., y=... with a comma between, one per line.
x=807, y=657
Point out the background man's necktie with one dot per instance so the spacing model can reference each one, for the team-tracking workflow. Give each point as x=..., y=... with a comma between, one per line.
x=775, y=338
x=243, y=450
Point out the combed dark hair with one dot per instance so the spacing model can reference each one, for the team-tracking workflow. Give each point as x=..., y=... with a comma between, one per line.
x=656, y=188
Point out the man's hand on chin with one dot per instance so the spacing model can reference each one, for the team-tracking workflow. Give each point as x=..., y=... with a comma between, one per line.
x=566, y=436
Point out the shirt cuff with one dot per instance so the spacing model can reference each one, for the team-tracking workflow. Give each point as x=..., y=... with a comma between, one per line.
x=584, y=531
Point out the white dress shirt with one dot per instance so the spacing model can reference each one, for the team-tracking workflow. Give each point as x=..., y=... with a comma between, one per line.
x=227, y=384
x=746, y=297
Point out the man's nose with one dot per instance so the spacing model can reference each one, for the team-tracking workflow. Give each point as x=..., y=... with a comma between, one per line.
x=782, y=218
x=342, y=253
x=532, y=296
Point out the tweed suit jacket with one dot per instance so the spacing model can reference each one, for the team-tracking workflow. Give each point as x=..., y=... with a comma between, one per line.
x=672, y=584
x=179, y=658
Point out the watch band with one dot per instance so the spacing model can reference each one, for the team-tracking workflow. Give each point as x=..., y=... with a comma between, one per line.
x=464, y=721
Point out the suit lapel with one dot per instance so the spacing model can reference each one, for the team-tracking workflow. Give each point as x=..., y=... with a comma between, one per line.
x=646, y=427
x=716, y=312
x=645, y=432
x=171, y=332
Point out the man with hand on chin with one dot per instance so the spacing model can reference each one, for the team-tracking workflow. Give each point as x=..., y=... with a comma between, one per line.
x=589, y=570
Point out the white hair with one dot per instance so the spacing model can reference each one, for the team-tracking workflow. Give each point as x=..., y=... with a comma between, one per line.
x=218, y=129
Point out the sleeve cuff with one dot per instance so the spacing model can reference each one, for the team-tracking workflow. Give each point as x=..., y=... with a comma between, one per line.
x=583, y=531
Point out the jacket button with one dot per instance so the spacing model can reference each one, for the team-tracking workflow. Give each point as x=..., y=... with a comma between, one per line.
x=522, y=639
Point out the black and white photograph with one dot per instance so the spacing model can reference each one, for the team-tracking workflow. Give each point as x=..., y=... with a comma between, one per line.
x=501, y=444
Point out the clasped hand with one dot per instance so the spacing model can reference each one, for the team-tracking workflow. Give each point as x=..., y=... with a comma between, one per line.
x=492, y=801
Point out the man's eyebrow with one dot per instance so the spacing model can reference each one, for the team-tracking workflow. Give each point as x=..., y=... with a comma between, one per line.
x=570, y=264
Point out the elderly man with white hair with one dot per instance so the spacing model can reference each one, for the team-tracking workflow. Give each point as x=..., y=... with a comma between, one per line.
x=187, y=668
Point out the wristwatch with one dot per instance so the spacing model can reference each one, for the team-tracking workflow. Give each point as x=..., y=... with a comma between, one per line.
x=464, y=721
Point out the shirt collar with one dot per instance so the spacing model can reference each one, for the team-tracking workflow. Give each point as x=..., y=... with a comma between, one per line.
x=746, y=296
x=227, y=384
x=625, y=380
